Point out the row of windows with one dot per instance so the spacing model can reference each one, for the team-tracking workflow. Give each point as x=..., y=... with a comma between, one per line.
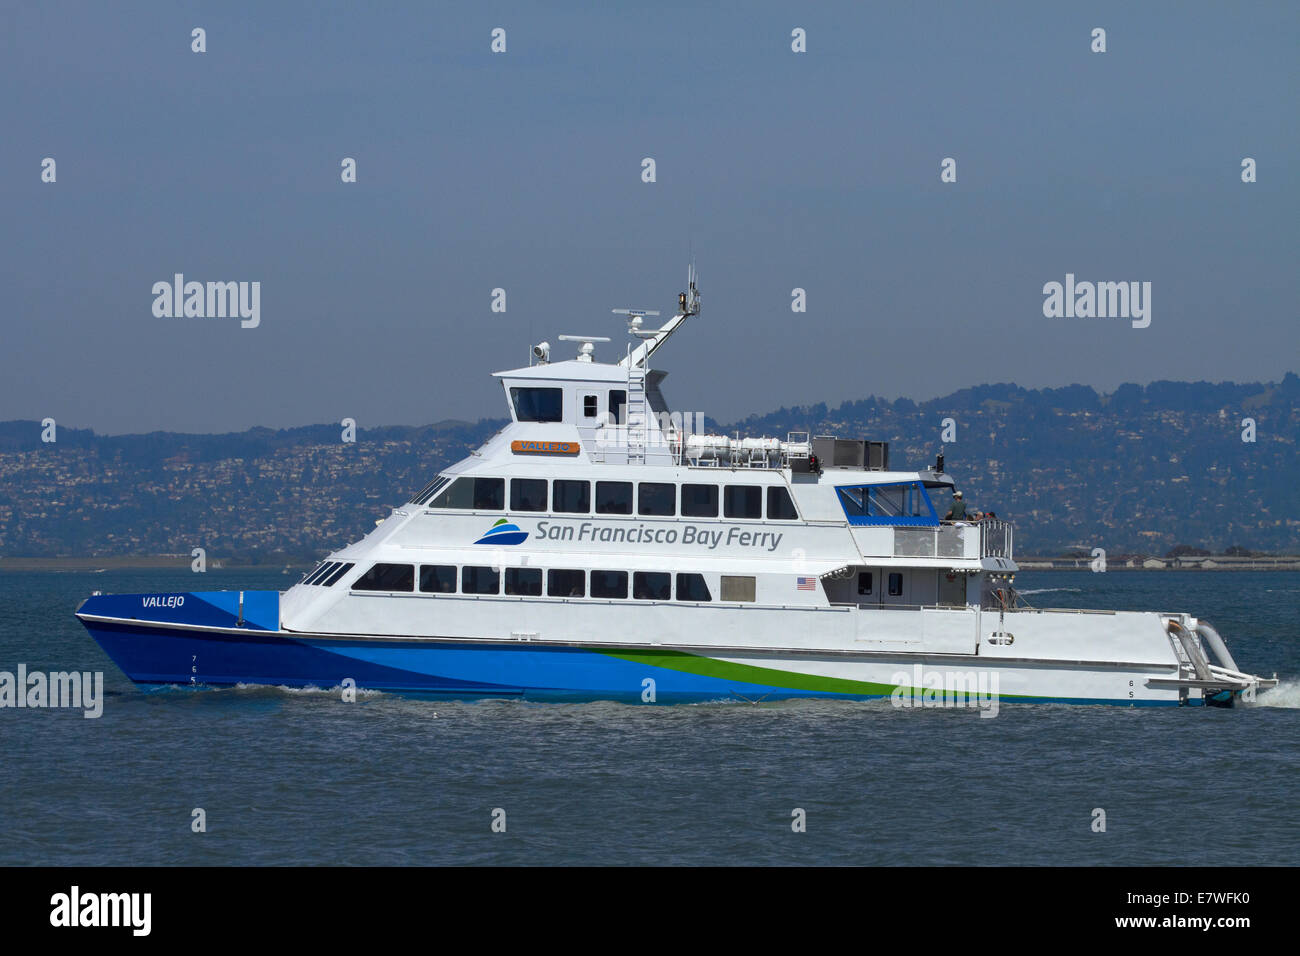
x=651, y=498
x=559, y=582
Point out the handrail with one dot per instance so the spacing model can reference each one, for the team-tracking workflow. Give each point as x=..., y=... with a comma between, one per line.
x=995, y=538
x=905, y=607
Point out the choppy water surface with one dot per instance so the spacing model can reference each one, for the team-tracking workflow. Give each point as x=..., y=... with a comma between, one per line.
x=297, y=777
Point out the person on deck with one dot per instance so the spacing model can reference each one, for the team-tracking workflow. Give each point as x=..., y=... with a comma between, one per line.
x=958, y=510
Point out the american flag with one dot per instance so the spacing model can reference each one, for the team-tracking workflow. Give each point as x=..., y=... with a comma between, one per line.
x=805, y=584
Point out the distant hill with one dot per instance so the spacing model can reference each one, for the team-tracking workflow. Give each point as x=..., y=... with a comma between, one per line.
x=1139, y=470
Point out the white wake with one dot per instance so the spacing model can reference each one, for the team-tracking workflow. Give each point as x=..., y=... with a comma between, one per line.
x=1285, y=694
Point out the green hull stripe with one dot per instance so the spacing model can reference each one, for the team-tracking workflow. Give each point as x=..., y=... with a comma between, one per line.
x=767, y=676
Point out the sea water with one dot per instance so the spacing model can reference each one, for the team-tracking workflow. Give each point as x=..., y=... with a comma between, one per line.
x=302, y=777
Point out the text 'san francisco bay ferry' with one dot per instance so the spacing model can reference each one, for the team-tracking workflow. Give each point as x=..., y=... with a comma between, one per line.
x=595, y=549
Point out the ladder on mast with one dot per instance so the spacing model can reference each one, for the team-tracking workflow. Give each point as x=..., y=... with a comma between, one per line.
x=636, y=414
x=637, y=420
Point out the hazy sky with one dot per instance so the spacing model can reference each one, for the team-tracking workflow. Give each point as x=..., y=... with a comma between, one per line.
x=522, y=170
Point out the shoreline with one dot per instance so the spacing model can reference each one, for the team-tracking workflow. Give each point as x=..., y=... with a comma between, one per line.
x=130, y=563
x=164, y=561
x=1279, y=563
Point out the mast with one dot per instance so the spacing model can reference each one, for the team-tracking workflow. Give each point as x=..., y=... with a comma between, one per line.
x=688, y=304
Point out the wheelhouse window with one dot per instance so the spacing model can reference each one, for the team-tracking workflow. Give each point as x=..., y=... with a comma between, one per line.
x=617, y=406
x=613, y=497
x=700, y=501
x=438, y=578
x=779, y=505
x=538, y=404
x=526, y=582
x=609, y=584
x=477, y=494
x=570, y=496
x=387, y=577
x=656, y=498
x=475, y=580
x=562, y=582
x=527, y=494
x=652, y=586
x=743, y=501
x=692, y=587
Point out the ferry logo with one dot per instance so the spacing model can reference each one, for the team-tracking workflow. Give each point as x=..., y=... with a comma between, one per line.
x=503, y=532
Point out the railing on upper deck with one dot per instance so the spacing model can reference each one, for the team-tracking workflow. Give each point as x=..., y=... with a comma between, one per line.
x=950, y=539
x=671, y=444
x=942, y=541
x=995, y=538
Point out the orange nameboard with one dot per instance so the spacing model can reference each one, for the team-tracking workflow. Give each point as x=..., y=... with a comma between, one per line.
x=544, y=447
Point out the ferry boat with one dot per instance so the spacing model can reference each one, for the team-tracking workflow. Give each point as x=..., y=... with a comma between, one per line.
x=597, y=547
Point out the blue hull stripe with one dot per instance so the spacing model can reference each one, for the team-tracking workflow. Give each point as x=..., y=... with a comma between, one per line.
x=152, y=655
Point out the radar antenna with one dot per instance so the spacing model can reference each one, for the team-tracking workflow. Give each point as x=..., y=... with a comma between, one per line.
x=634, y=319
x=587, y=347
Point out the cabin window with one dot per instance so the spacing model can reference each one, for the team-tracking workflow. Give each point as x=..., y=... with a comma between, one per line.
x=478, y=494
x=321, y=570
x=489, y=494
x=613, y=497
x=895, y=585
x=854, y=501
x=459, y=494
x=480, y=580
x=656, y=498
x=526, y=582
x=617, y=407
x=429, y=490
x=333, y=577
x=538, y=404
x=700, y=501
x=738, y=587
x=387, y=577
x=609, y=584
x=864, y=582
x=743, y=501
x=652, y=586
x=779, y=505
x=527, y=494
x=692, y=587
x=589, y=406
x=904, y=503
x=889, y=502
x=571, y=497
x=438, y=578
x=562, y=582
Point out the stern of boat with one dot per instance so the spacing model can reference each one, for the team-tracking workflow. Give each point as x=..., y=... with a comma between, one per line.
x=1207, y=672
